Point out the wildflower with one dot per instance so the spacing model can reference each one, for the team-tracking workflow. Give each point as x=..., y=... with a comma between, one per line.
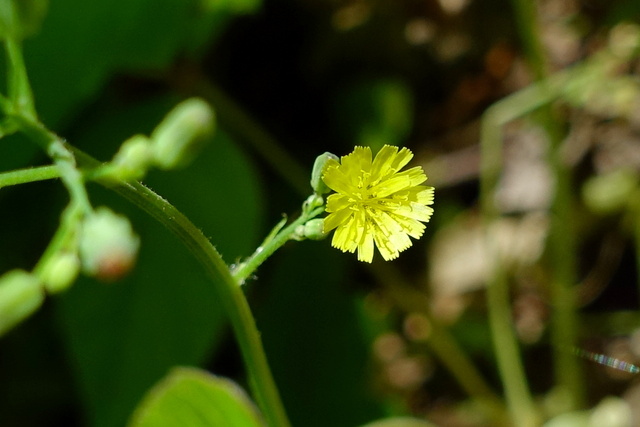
x=375, y=202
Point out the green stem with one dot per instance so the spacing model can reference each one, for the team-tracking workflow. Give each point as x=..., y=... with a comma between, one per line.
x=24, y=176
x=246, y=268
x=231, y=296
x=564, y=324
x=510, y=367
x=18, y=84
x=61, y=155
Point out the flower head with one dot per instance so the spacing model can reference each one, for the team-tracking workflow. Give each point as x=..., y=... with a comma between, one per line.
x=375, y=202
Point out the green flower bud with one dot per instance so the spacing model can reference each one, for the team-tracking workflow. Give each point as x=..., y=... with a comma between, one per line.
x=313, y=229
x=179, y=137
x=20, y=295
x=610, y=193
x=318, y=168
x=108, y=246
x=132, y=160
x=60, y=272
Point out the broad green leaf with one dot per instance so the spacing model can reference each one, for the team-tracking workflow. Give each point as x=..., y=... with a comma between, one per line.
x=194, y=398
x=123, y=337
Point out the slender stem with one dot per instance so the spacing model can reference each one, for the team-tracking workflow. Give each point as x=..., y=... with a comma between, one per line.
x=18, y=84
x=562, y=235
x=65, y=237
x=518, y=396
x=61, y=155
x=246, y=268
x=24, y=176
x=231, y=296
x=505, y=343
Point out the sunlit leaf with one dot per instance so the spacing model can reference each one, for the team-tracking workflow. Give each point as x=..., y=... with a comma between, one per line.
x=194, y=398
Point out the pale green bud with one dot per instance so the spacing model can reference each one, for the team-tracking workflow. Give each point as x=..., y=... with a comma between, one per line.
x=612, y=192
x=60, y=272
x=317, y=183
x=312, y=229
x=179, y=137
x=132, y=160
x=20, y=295
x=108, y=246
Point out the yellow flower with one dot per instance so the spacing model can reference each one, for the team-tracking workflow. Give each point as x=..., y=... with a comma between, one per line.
x=375, y=202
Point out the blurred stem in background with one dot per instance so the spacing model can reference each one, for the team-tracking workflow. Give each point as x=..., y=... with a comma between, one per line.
x=519, y=400
x=562, y=236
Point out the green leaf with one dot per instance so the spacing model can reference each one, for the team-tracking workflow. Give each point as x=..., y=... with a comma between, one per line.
x=191, y=397
x=123, y=337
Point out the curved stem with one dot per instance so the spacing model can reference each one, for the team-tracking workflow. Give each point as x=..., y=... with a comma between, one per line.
x=231, y=296
x=18, y=84
x=519, y=399
x=562, y=240
x=61, y=155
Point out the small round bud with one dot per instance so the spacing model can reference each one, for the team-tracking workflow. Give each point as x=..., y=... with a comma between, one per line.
x=317, y=183
x=132, y=160
x=60, y=272
x=179, y=137
x=108, y=246
x=20, y=295
x=314, y=229
x=312, y=202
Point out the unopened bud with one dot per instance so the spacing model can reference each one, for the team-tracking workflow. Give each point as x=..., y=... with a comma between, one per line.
x=60, y=272
x=20, y=295
x=179, y=137
x=317, y=183
x=108, y=246
x=312, y=229
x=132, y=160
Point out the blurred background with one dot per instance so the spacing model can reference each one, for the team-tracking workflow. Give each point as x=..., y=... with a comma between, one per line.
x=290, y=79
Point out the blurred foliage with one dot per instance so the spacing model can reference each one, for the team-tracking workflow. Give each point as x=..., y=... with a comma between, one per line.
x=320, y=76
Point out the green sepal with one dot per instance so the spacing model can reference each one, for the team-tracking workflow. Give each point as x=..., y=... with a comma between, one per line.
x=317, y=183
